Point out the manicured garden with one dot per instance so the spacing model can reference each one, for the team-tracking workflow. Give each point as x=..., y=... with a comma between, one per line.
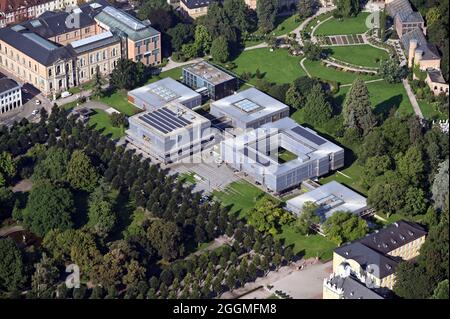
x=362, y=55
x=278, y=66
x=102, y=121
x=352, y=25
x=320, y=71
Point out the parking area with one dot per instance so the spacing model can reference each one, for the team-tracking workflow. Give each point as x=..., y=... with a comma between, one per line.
x=32, y=101
x=306, y=283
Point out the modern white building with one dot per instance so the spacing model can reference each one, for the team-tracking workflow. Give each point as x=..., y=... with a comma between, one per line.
x=155, y=95
x=282, y=154
x=170, y=133
x=330, y=198
x=10, y=96
x=249, y=109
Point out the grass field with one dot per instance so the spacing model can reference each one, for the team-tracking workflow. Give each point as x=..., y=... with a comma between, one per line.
x=240, y=196
x=384, y=96
x=118, y=100
x=278, y=66
x=102, y=121
x=322, y=72
x=430, y=111
x=362, y=55
x=174, y=73
x=283, y=25
x=308, y=246
x=353, y=25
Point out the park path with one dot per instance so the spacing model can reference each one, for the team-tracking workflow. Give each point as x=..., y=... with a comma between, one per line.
x=367, y=82
x=412, y=98
x=299, y=29
x=304, y=68
x=172, y=64
x=9, y=230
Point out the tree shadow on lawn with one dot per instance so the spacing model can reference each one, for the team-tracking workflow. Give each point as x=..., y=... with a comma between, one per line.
x=102, y=130
x=384, y=108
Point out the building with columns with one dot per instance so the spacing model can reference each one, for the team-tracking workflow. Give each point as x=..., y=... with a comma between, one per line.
x=60, y=50
x=10, y=96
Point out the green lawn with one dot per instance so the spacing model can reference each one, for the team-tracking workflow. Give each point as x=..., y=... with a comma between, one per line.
x=316, y=69
x=283, y=25
x=278, y=66
x=102, y=121
x=309, y=246
x=174, y=73
x=286, y=24
x=430, y=111
x=353, y=172
x=118, y=100
x=188, y=177
x=285, y=156
x=241, y=196
x=362, y=55
x=353, y=25
x=384, y=96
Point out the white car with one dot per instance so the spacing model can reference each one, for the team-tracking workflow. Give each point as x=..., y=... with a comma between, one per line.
x=35, y=112
x=37, y=102
x=65, y=94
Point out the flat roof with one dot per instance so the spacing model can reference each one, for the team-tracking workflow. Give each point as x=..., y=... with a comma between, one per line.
x=331, y=197
x=157, y=94
x=169, y=119
x=304, y=146
x=209, y=72
x=118, y=20
x=249, y=105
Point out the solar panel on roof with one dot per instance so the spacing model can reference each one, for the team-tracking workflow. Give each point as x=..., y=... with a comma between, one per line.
x=35, y=23
x=170, y=113
x=153, y=124
x=18, y=28
x=308, y=135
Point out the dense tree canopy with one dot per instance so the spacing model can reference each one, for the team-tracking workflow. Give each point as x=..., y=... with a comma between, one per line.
x=268, y=216
x=12, y=275
x=317, y=109
x=357, y=109
x=267, y=11
x=48, y=207
x=81, y=174
x=127, y=74
x=342, y=227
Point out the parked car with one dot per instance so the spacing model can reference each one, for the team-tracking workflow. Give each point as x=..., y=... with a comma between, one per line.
x=65, y=94
x=37, y=102
x=35, y=112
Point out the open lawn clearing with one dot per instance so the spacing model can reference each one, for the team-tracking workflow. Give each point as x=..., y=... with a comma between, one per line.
x=241, y=196
x=362, y=55
x=119, y=101
x=308, y=246
x=317, y=70
x=102, y=121
x=352, y=25
x=277, y=66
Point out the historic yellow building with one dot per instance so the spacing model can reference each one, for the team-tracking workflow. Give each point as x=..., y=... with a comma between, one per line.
x=373, y=259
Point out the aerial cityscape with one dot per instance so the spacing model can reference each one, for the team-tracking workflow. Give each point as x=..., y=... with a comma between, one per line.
x=224, y=149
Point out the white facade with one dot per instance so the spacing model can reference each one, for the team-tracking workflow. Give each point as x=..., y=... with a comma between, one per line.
x=10, y=98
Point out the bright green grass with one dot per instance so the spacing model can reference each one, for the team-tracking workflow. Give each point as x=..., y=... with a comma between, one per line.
x=286, y=25
x=353, y=172
x=308, y=246
x=102, y=121
x=278, y=66
x=314, y=21
x=118, y=100
x=430, y=111
x=322, y=72
x=384, y=96
x=285, y=156
x=362, y=55
x=353, y=25
x=188, y=177
x=241, y=196
x=174, y=73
